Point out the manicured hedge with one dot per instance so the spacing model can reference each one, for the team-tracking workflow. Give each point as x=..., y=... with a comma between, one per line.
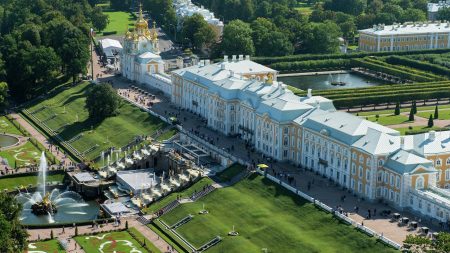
x=313, y=65
x=344, y=98
x=422, y=65
x=380, y=67
x=109, y=33
x=305, y=57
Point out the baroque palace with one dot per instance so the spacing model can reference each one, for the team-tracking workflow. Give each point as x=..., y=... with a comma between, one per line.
x=239, y=97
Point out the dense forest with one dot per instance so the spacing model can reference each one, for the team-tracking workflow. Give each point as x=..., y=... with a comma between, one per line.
x=42, y=41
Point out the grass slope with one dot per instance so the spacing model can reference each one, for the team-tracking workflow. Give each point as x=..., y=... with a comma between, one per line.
x=60, y=113
x=12, y=182
x=267, y=216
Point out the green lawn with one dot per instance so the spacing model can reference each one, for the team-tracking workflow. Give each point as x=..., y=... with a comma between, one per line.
x=119, y=21
x=13, y=182
x=391, y=111
x=61, y=112
x=230, y=172
x=304, y=8
x=173, y=196
x=112, y=242
x=7, y=127
x=167, y=134
x=443, y=113
x=389, y=119
x=50, y=246
x=403, y=130
x=267, y=216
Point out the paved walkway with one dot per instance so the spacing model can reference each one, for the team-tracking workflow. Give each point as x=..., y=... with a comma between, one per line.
x=152, y=236
x=42, y=139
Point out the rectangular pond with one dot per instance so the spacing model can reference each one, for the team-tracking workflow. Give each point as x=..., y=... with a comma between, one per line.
x=324, y=81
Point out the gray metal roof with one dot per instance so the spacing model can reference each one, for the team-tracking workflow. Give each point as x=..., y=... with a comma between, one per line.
x=405, y=162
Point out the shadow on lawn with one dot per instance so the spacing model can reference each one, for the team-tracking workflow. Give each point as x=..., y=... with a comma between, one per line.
x=74, y=96
x=75, y=128
x=277, y=190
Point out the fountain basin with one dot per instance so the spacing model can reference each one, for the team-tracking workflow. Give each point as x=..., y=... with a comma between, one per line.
x=8, y=140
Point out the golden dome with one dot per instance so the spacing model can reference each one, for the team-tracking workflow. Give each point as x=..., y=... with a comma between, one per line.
x=141, y=23
x=154, y=32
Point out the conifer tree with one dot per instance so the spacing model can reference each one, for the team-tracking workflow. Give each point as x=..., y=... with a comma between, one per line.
x=436, y=113
x=397, y=109
x=411, y=114
x=430, y=121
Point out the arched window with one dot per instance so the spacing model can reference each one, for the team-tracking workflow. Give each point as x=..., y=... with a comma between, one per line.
x=419, y=183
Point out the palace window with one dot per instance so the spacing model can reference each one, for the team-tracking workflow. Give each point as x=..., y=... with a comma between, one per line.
x=380, y=162
x=353, y=169
x=448, y=161
x=392, y=180
x=367, y=175
x=380, y=176
x=360, y=172
x=438, y=162
x=419, y=183
x=397, y=182
x=447, y=174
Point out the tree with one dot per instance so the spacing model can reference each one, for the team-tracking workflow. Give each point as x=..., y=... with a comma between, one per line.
x=12, y=235
x=411, y=15
x=102, y=101
x=237, y=38
x=397, y=108
x=99, y=19
x=416, y=243
x=322, y=37
x=353, y=7
x=414, y=106
x=197, y=32
x=411, y=115
x=51, y=234
x=430, y=121
x=126, y=224
x=443, y=13
x=120, y=5
x=76, y=230
x=268, y=40
x=436, y=112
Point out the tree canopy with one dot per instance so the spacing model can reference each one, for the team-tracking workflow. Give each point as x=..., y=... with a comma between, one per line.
x=12, y=235
x=237, y=38
x=418, y=244
x=197, y=31
x=102, y=101
x=43, y=40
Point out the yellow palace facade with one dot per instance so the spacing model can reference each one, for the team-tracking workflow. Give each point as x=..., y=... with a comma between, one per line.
x=405, y=37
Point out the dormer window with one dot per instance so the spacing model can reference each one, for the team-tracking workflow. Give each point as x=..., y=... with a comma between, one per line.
x=438, y=162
